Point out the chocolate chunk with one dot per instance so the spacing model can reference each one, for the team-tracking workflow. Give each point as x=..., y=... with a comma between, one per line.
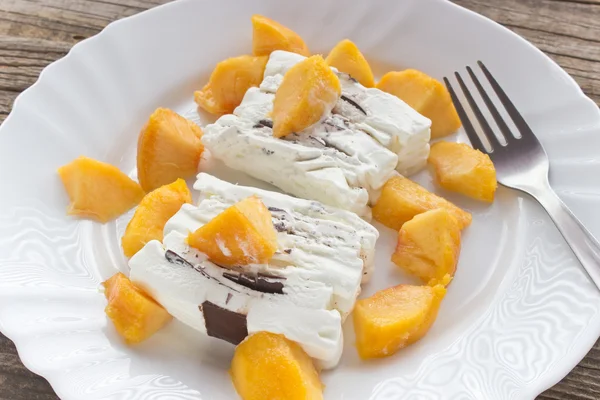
x=224, y=324
x=287, y=251
x=281, y=227
x=355, y=104
x=229, y=297
x=275, y=209
x=259, y=283
x=264, y=123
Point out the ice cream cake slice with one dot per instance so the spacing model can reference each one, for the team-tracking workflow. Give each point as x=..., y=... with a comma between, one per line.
x=343, y=160
x=305, y=291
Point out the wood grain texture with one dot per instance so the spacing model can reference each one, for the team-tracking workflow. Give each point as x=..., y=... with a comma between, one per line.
x=35, y=33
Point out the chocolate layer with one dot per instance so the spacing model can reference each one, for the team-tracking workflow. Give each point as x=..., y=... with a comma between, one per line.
x=352, y=102
x=264, y=284
x=224, y=324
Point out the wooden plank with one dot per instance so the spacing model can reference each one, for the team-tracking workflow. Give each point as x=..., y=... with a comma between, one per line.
x=34, y=33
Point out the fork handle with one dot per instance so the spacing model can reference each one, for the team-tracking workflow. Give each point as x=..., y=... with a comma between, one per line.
x=581, y=241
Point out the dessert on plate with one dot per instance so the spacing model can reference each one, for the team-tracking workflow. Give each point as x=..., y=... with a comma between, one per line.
x=304, y=291
x=342, y=160
x=277, y=274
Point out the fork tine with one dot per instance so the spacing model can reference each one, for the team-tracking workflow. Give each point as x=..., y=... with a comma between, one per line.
x=487, y=130
x=510, y=107
x=506, y=132
x=464, y=118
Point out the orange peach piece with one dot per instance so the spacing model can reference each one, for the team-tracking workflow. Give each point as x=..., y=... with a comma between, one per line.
x=309, y=90
x=269, y=35
x=155, y=209
x=429, y=246
x=229, y=82
x=347, y=58
x=98, y=190
x=269, y=366
x=169, y=147
x=242, y=234
x=401, y=199
x=427, y=96
x=394, y=318
x=135, y=315
x=460, y=168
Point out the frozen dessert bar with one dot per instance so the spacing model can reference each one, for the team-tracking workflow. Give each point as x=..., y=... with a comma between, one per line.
x=342, y=161
x=305, y=291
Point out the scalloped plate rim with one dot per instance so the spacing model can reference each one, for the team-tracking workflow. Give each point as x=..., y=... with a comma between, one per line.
x=540, y=385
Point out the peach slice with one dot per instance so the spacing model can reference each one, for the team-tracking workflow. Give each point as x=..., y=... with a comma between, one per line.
x=401, y=199
x=426, y=95
x=98, y=190
x=242, y=234
x=268, y=366
x=460, y=168
x=155, y=209
x=429, y=246
x=268, y=36
x=394, y=318
x=229, y=82
x=346, y=57
x=169, y=147
x=309, y=90
x=136, y=315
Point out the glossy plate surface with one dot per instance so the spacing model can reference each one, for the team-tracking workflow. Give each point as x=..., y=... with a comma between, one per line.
x=520, y=314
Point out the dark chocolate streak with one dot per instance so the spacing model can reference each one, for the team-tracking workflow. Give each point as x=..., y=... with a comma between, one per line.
x=224, y=324
x=258, y=283
x=175, y=258
x=264, y=123
x=355, y=104
x=275, y=209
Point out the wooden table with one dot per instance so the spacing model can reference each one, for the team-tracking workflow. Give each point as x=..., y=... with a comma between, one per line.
x=34, y=33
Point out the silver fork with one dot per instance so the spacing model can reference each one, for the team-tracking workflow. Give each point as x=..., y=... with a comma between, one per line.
x=522, y=164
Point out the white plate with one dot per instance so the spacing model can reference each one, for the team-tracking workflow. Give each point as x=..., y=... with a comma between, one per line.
x=519, y=315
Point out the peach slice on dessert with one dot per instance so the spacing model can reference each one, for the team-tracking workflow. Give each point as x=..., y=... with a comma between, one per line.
x=269, y=35
x=426, y=95
x=155, y=209
x=347, y=58
x=460, y=168
x=269, y=366
x=429, y=246
x=308, y=91
x=242, y=234
x=394, y=318
x=169, y=147
x=229, y=82
x=136, y=315
x=98, y=190
x=401, y=199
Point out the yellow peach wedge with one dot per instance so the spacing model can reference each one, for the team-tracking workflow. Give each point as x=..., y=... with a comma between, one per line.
x=269, y=35
x=135, y=315
x=401, y=199
x=347, y=58
x=169, y=147
x=268, y=366
x=155, y=209
x=242, y=234
x=98, y=190
x=427, y=96
x=429, y=246
x=309, y=90
x=229, y=82
x=460, y=168
x=394, y=318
